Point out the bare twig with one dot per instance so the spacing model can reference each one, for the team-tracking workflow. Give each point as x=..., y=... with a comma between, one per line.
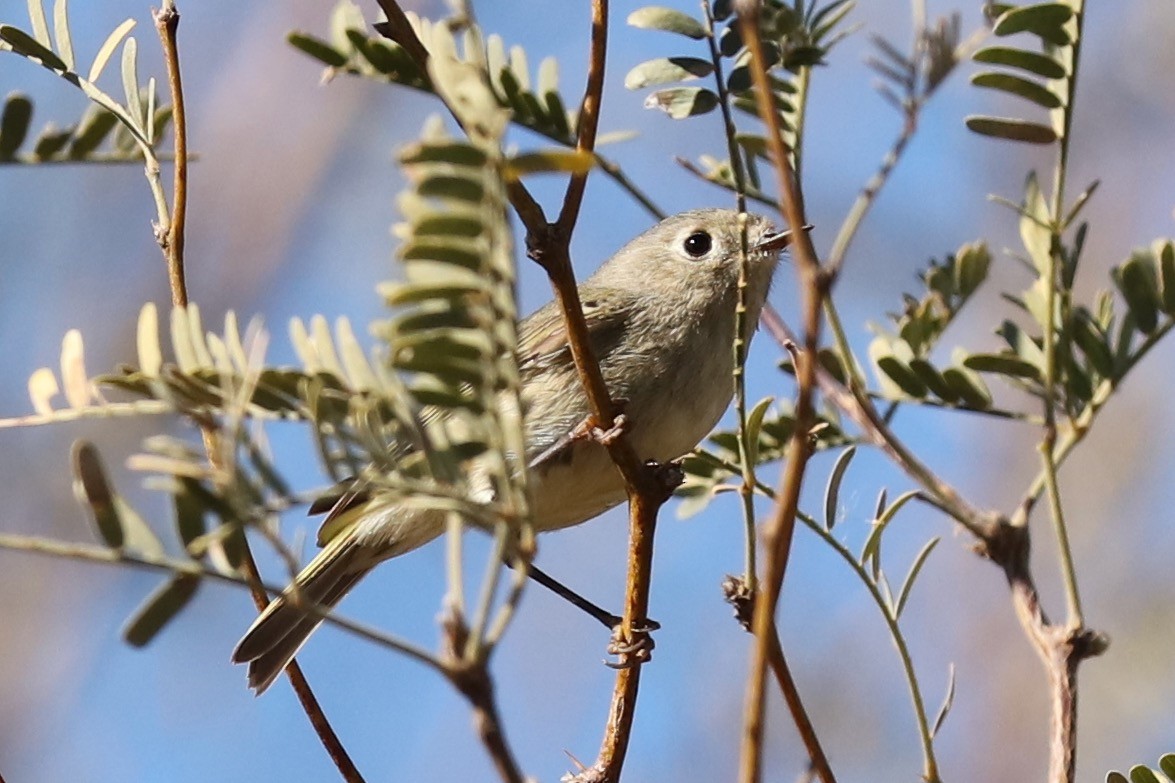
x=742, y=598
x=548, y=244
x=749, y=587
x=167, y=25
x=306, y=698
x=167, y=21
x=780, y=527
x=791, y=695
x=472, y=679
x=647, y=489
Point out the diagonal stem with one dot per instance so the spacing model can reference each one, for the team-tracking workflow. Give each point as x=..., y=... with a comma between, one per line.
x=167, y=25
x=781, y=526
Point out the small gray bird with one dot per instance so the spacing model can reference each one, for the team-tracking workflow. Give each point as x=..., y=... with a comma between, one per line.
x=661, y=315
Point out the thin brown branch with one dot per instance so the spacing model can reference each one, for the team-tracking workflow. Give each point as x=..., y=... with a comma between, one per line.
x=780, y=527
x=167, y=25
x=618, y=729
x=472, y=679
x=742, y=599
x=589, y=115
x=167, y=22
x=791, y=695
x=647, y=489
x=548, y=244
x=1061, y=648
x=318, y=720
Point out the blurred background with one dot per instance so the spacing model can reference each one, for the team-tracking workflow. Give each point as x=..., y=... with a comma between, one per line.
x=290, y=208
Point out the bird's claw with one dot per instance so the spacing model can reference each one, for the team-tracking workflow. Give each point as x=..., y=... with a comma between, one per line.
x=606, y=437
x=633, y=647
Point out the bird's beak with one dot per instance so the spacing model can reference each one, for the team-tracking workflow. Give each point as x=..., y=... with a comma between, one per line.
x=777, y=240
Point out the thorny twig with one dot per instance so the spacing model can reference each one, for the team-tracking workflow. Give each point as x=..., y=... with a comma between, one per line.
x=648, y=488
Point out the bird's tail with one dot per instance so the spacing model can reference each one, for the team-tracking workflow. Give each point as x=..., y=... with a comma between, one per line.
x=285, y=625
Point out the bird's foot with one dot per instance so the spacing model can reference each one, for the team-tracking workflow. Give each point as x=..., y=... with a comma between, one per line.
x=634, y=646
x=606, y=437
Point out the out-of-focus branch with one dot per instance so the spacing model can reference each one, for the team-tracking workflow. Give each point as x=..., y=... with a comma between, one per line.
x=472, y=679
x=814, y=283
x=742, y=599
x=172, y=242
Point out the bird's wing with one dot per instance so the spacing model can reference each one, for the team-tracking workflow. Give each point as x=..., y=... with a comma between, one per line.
x=343, y=497
x=544, y=353
x=542, y=350
x=542, y=336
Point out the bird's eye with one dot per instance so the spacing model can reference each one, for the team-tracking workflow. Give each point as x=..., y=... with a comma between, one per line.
x=698, y=244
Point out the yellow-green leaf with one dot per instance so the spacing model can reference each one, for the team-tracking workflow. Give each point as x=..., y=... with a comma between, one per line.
x=1012, y=130
x=555, y=160
x=108, y=46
